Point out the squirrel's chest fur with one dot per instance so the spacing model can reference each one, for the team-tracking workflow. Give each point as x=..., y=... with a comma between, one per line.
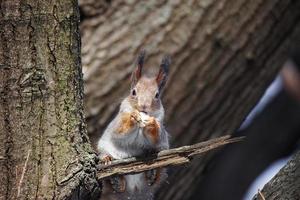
x=134, y=145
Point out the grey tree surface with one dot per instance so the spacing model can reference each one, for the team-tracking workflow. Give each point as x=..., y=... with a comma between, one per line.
x=225, y=53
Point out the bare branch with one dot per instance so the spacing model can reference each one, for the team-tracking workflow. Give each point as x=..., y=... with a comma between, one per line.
x=171, y=157
x=261, y=195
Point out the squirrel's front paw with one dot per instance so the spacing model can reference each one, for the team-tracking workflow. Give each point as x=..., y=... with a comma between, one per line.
x=135, y=115
x=118, y=183
x=141, y=118
x=106, y=159
x=151, y=130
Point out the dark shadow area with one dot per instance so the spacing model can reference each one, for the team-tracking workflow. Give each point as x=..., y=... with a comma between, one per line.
x=273, y=134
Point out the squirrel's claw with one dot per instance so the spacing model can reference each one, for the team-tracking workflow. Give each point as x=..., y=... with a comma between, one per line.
x=106, y=160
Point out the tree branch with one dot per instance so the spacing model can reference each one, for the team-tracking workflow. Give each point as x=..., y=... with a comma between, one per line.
x=170, y=157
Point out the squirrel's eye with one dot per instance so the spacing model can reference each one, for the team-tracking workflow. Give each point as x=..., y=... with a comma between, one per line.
x=156, y=95
x=133, y=92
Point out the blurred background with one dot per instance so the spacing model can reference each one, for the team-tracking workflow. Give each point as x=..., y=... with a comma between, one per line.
x=235, y=70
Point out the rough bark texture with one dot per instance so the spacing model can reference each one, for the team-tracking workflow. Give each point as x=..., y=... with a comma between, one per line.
x=224, y=54
x=45, y=153
x=285, y=185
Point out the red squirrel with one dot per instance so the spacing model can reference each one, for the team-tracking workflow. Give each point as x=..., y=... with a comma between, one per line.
x=137, y=130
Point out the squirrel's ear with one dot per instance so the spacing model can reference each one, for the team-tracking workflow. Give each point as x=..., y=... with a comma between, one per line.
x=137, y=73
x=162, y=75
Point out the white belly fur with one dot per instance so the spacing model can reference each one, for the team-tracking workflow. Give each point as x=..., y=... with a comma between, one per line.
x=135, y=182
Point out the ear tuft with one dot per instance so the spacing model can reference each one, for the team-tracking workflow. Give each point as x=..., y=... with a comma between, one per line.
x=165, y=63
x=141, y=58
x=162, y=75
x=137, y=73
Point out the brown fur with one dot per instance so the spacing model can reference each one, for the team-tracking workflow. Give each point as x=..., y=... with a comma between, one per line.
x=107, y=159
x=152, y=130
x=160, y=77
x=158, y=175
x=127, y=123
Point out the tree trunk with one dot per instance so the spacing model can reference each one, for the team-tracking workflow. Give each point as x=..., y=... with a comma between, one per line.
x=44, y=150
x=225, y=53
x=285, y=185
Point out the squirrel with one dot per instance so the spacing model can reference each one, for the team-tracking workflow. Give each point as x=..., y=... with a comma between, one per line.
x=137, y=130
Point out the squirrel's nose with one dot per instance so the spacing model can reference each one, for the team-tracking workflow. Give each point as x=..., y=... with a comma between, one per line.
x=143, y=108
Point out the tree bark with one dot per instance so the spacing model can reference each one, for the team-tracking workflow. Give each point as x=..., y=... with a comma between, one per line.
x=44, y=150
x=285, y=185
x=225, y=53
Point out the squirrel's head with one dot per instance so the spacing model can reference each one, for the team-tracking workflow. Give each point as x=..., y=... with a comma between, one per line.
x=146, y=91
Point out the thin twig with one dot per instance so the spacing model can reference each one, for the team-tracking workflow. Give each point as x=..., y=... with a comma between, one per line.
x=261, y=195
x=170, y=157
x=23, y=174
